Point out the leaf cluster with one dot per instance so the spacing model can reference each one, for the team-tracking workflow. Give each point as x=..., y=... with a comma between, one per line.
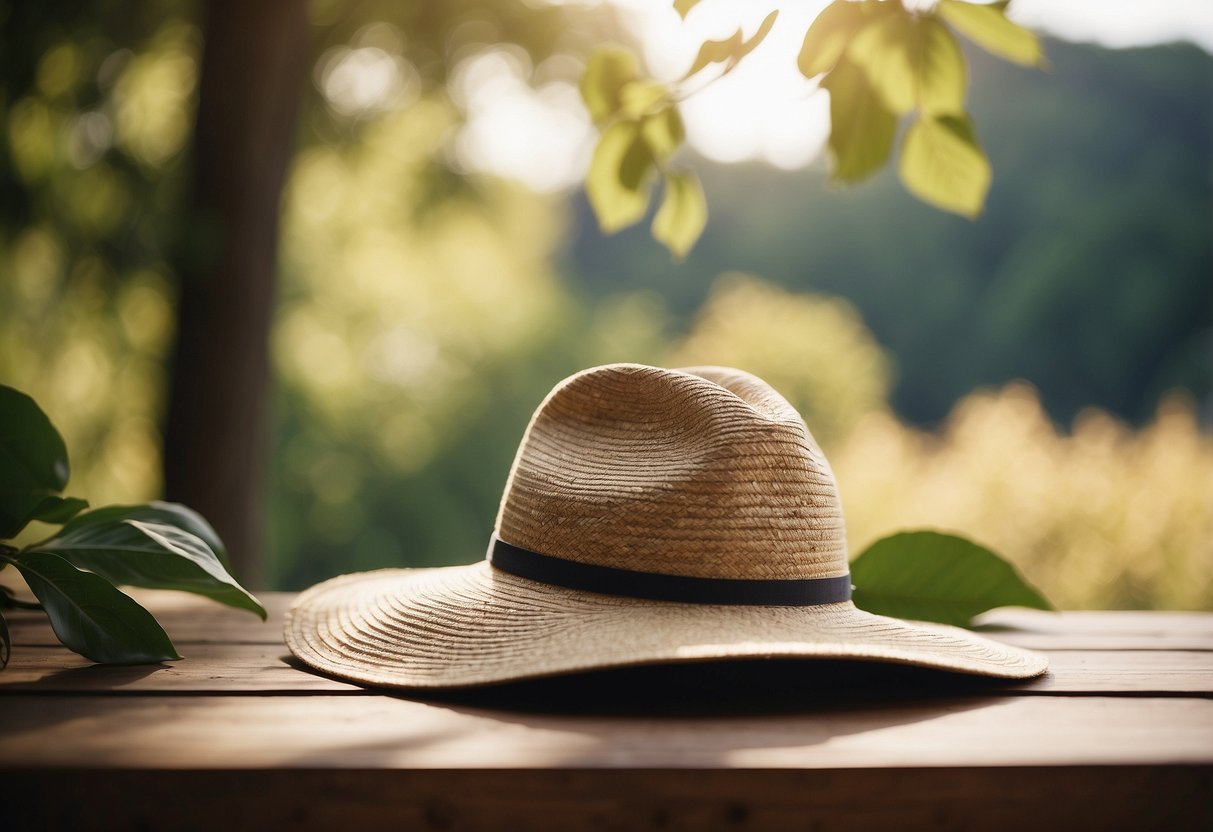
x=74, y=572
x=878, y=60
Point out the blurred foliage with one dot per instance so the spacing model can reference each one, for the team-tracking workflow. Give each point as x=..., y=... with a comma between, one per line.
x=1101, y=516
x=879, y=61
x=1088, y=273
x=815, y=350
x=425, y=312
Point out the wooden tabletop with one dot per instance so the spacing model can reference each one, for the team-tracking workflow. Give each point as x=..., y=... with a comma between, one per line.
x=1119, y=735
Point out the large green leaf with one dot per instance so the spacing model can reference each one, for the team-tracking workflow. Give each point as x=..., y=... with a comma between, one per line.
x=914, y=63
x=617, y=182
x=58, y=510
x=149, y=554
x=682, y=215
x=33, y=459
x=158, y=511
x=90, y=616
x=929, y=576
x=861, y=125
x=986, y=25
x=606, y=72
x=942, y=164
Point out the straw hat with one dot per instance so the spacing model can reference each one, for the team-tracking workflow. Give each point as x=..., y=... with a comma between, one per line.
x=652, y=516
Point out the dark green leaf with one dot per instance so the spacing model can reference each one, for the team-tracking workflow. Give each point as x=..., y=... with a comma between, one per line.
x=831, y=32
x=4, y=642
x=929, y=576
x=153, y=555
x=988, y=27
x=861, y=126
x=33, y=459
x=617, y=181
x=170, y=514
x=58, y=510
x=683, y=214
x=942, y=164
x=606, y=71
x=90, y=616
x=10, y=601
x=683, y=7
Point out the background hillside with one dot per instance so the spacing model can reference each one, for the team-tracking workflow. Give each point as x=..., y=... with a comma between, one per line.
x=1090, y=273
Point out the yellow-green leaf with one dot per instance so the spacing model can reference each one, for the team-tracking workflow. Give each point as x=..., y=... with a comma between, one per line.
x=606, y=73
x=988, y=27
x=942, y=164
x=683, y=213
x=638, y=98
x=914, y=63
x=759, y=36
x=716, y=52
x=861, y=125
x=617, y=182
x=664, y=132
x=733, y=48
x=832, y=30
x=683, y=7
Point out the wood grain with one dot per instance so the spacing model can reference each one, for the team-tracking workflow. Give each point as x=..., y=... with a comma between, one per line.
x=245, y=669
x=385, y=732
x=1172, y=798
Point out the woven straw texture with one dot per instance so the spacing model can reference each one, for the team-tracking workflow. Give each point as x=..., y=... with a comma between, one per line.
x=705, y=472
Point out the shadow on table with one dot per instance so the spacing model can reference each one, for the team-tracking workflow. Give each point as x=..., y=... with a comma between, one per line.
x=726, y=688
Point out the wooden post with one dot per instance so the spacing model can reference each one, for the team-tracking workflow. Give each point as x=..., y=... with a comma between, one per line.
x=253, y=72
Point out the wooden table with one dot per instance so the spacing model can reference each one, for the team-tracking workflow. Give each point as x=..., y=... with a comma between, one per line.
x=1119, y=735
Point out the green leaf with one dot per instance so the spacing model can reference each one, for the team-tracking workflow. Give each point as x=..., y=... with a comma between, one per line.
x=638, y=98
x=90, y=616
x=759, y=36
x=942, y=164
x=683, y=7
x=606, y=72
x=914, y=63
x=58, y=510
x=929, y=576
x=5, y=642
x=683, y=213
x=861, y=125
x=10, y=601
x=170, y=514
x=33, y=459
x=733, y=48
x=153, y=555
x=988, y=27
x=663, y=132
x=617, y=183
x=831, y=32
x=716, y=52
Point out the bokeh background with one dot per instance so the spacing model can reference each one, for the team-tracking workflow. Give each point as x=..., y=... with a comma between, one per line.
x=1038, y=379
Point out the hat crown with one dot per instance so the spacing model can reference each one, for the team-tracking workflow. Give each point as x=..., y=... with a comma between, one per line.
x=703, y=472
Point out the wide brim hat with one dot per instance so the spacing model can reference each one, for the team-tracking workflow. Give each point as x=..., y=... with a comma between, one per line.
x=651, y=517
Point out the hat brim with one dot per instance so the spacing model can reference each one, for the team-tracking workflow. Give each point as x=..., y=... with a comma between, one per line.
x=468, y=626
